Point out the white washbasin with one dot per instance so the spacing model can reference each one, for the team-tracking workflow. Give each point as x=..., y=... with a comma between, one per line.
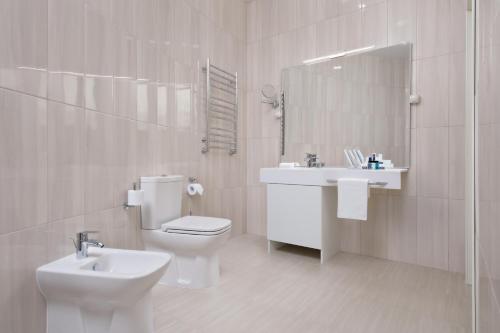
x=327, y=176
x=110, y=291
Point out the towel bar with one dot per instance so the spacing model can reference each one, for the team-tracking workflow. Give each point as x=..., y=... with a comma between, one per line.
x=370, y=183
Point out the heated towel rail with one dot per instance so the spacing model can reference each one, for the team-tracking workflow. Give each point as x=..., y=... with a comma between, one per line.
x=221, y=110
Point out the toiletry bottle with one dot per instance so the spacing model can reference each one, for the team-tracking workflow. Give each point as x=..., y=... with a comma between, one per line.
x=376, y=163
x=372, y=165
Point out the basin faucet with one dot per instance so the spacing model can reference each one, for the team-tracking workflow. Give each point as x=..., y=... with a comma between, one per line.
x=312, y=161
x=83, y=242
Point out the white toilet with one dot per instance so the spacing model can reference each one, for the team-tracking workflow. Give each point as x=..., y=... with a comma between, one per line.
x=192, y=241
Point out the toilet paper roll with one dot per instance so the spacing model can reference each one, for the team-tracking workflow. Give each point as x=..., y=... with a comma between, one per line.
x=194, y=189
x=135, y=197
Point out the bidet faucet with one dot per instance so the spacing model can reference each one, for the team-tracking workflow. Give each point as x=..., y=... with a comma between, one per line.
x=83, y=242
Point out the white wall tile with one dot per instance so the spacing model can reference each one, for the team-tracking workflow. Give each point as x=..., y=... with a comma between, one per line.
x=457, y=162
x=23, y=63
x=327, y=38
x=374, y=231
x=261, y=153
x=306, y=12
x=327, y=9
x=458, y=10
x=433, y=28
x=456, y=79
x=23, y=161
x=351, y=31
x=287, y=15
x=256, y=210
x=66, y=51
x=402, y=229
x=488, y=23
x=66, y=172
x=146, y=145
x=254, y=21
x=433, y=161
x=22, y=252
x=234, y=200
x=457, y=236
x=348, y=6
x=375, y=25
x=350, y=231
x=99, y=176
x=99, y=52
x=124, y=162
x=432, y=233
x=402, y=21
x=433, y=87
x=306, y=43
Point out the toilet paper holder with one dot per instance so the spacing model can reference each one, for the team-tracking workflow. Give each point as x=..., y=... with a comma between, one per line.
x=192, y=179
x=136, y=196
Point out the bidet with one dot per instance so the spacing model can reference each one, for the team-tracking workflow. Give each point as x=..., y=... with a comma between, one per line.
x=109, y=291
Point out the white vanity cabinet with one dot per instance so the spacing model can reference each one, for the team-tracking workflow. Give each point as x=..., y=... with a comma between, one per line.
x=302, y=204
x=303, y=215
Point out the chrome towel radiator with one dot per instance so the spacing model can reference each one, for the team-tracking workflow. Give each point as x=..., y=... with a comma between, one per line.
x=222, y=110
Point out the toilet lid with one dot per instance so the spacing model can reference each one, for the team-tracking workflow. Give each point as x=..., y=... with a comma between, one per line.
x=197, y=225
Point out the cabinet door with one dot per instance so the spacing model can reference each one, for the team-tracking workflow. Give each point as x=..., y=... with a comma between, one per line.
x=294, y=214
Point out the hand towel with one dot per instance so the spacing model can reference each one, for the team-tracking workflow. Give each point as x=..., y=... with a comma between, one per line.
x=353, y=196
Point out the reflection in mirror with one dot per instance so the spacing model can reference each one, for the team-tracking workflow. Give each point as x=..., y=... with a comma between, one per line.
x=356, y=101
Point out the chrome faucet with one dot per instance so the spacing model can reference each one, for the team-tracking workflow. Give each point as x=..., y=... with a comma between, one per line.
x=312, y=161
x=83, y=242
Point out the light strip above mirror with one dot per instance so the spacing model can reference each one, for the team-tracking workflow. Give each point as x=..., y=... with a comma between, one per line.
x=336, y=55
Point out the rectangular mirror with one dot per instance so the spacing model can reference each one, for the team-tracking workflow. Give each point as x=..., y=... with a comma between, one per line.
x=352, y=101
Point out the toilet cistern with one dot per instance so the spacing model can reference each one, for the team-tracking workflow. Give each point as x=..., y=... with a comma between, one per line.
x=83, y=242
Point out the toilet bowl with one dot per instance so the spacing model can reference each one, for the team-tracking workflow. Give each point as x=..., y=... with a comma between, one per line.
x=195, y=263
x=191, y=241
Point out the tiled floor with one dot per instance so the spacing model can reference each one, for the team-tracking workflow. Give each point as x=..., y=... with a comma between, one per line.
x=289, y=291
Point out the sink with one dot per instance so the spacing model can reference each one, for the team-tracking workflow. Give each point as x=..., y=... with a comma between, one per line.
x=327, y=176
x=109, y=291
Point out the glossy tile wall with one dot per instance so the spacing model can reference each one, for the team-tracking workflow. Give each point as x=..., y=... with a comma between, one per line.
x=424, y=222
x=93, y=95
x=488, y=224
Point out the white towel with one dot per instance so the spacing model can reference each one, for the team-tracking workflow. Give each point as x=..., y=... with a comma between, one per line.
x=353, y=196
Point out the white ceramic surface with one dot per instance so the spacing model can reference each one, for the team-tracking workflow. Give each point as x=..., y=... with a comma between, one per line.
x=195, y=263
x=324, y=176
x=195, y=260
x=108, y=292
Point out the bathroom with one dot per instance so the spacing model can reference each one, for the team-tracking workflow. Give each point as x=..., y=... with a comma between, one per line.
x=102, y=97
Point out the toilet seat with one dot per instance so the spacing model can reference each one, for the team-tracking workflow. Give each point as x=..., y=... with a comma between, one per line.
x=197, y=225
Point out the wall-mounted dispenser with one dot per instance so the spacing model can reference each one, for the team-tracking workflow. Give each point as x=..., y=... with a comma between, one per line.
x=194, y=188
x=135, y=198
